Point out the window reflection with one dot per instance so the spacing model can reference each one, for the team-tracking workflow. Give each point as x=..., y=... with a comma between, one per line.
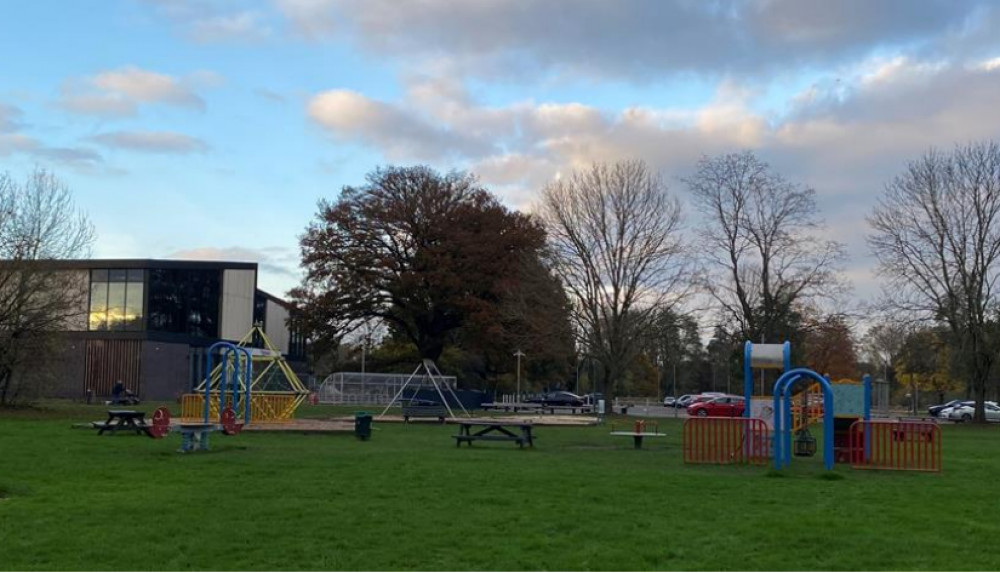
x=116, y=299
x=185, y=301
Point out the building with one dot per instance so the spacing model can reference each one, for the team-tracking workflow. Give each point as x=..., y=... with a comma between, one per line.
x=147, y=323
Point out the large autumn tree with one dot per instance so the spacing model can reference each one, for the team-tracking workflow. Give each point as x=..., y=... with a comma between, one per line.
x=423, y=252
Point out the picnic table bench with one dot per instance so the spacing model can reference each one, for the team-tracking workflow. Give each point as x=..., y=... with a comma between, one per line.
x=123, y=420
x=495, y=431
x=423, y=409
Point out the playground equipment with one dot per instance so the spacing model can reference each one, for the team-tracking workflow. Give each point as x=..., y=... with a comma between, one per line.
x=256, y=382
x=436, y=379
x=849, y=433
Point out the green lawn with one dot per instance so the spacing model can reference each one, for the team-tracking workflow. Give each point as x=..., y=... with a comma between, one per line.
x=409, y=499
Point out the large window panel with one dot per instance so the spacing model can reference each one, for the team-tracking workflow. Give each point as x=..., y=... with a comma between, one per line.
x=98, y=317
x=116, y=306
x=117, y=299
x=185, y=301
x=134, y=298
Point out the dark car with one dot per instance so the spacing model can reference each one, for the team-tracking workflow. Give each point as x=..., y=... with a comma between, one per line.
x=562, y=398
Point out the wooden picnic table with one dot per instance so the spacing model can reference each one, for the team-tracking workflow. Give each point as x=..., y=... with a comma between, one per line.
x=124, y=420
x=638, y=436
x=518, y=432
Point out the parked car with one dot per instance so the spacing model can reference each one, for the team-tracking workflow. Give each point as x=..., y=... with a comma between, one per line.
x=965, y=412
x=669, y=402
x=562, y=398
x=725, y=406
x=935, y=410
x=688, y=399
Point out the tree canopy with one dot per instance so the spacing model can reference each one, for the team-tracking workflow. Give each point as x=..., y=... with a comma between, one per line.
x=424, y=252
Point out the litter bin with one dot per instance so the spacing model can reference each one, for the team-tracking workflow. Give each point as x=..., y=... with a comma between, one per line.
x=362, y=425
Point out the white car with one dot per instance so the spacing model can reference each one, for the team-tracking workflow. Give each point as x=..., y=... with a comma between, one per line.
x=965, y=413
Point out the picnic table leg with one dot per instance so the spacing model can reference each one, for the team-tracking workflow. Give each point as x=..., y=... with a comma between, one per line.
x=105, y=426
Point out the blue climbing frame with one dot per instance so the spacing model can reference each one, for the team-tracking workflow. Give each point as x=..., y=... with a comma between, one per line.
x=228, y=351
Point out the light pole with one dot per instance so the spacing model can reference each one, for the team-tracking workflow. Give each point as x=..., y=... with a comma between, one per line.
x=579, y=363
x=519, y=355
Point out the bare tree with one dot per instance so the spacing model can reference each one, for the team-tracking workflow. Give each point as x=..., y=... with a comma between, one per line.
x=762, y=257
x=883, y=344
x=615, y=240
x=38, y=222
x=936, y=233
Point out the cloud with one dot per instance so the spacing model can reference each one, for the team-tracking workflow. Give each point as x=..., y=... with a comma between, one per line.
x=274, y=260
x=397, y=132
x=639, y=39
x=151, y=142
x=10, y=118
x=14, y=141
x=206, y=21
x=242, y=26
x=270, y=95
x=120, y=92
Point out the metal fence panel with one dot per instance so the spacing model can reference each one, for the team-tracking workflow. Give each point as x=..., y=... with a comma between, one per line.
x=713, y=440
x=896, y=445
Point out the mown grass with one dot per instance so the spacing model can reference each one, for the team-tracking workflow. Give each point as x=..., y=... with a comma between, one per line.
x=410, y=500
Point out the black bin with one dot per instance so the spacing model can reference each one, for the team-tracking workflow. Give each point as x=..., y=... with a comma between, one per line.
x=363, y=425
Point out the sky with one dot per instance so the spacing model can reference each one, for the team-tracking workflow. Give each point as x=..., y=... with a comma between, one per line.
x=209, y=129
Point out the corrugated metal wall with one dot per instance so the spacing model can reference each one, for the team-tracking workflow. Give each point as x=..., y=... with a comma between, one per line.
x=111, y=360
x=277, y=325
x=237, y=303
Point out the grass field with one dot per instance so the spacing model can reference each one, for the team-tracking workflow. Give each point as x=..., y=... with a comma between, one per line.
x=409, y=499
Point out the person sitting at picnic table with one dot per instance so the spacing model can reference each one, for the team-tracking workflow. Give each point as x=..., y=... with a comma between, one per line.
x=117, y=391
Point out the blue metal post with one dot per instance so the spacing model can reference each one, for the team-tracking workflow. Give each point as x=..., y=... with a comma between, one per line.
x=867, y=382
x=787, y=352
x=747, y=378
x=776, y=440
x=827, y=425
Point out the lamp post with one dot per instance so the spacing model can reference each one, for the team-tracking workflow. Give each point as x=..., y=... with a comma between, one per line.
x=579, y=363
x=519, y=355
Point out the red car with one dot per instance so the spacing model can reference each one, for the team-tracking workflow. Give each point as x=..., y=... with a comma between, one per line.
x=725, y=406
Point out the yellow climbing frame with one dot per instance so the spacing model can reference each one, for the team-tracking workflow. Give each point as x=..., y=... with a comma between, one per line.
x=265, y=405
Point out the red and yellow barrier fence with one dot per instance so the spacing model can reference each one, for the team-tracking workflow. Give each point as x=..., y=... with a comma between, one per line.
x=713, y=440
x=896, y=445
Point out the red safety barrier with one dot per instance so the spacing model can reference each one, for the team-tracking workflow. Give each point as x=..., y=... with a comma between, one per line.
x=712, y=440
x=896, y=445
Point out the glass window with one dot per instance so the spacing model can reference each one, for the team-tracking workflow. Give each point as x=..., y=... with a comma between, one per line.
x=99, y=301
x=116, y=299
x=134, y=299
x=185, y=301
x=116, y=306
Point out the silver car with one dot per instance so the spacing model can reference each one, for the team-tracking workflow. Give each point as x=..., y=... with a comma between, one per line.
x=965, y=413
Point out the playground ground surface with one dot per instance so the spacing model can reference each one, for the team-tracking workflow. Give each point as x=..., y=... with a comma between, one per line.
x=410, y=500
